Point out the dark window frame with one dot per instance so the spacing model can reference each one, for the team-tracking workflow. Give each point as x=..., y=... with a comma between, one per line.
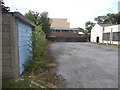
x=116, y=36
x=106, y=36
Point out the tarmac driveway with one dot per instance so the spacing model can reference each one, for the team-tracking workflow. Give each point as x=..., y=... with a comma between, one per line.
x=87, y=65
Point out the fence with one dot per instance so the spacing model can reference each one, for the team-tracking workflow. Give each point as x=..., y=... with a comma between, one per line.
x=68, y=39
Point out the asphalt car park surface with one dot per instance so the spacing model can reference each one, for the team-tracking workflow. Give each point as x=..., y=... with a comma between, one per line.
x=87, y=65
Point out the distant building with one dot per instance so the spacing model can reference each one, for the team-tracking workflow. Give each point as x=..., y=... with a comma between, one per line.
x=106, y=33
x=59, y=23
x=64, y=32
x=61, y=28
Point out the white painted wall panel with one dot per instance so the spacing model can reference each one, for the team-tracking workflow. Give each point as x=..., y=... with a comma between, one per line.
x=96, y=32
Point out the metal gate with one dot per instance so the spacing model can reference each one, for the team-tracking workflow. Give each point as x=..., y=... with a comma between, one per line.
x=24, y=32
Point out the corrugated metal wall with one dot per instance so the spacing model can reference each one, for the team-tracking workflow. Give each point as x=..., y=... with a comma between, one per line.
x=24, y=32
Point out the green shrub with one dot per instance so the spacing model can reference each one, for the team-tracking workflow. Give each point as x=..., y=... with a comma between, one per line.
x=38, y=44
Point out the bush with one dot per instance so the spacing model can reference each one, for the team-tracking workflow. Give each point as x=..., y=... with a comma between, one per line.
x=38, y=44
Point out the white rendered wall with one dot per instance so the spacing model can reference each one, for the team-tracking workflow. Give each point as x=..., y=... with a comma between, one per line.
x=96, y=32
x=114, y=28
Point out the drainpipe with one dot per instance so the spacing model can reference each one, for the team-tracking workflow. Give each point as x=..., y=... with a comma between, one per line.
x=111, y=35
x=61, y=32
x=102, y=34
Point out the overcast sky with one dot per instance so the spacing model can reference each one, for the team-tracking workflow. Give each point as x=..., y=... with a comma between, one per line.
x=76, y=11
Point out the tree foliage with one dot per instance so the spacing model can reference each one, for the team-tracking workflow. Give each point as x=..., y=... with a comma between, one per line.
x=88, y=26
x=40, y=19
x=4, y=8
x=108, y=19
x=32, y=16
x=81, y=29
x=45, y=21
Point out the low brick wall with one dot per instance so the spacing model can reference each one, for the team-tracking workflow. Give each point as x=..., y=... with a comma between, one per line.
x=67, y=39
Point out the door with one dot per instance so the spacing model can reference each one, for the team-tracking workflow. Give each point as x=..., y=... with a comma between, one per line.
x=24, y=32
x=97, y=40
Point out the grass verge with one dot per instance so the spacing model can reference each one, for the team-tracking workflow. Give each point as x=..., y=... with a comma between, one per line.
x=113, y=45
x=23, y=82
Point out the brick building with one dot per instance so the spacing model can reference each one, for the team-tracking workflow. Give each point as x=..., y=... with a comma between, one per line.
x=61, y=28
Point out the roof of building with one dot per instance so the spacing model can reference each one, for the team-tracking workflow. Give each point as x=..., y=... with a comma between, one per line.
x=80, y=33
x=105, y=25
x=64, y=29
x=60, y=18
x=19, y=16
x=64, y=34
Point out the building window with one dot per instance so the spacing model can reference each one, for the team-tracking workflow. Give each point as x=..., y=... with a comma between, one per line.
x=106, y=36
x=116, y=36
x=65, y=30
x=57, y=31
